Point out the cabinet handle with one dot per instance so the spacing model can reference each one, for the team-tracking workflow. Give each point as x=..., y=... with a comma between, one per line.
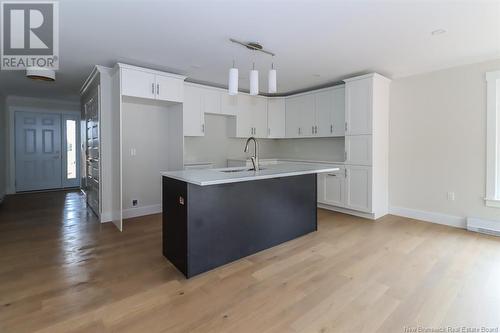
x=157, y=88
x=331, y=128
x=345, y=172
x=299, y=131
x=316, y=129
x=203, y=128
x=346, y=126
x=332, y=175
x=153, y=88
x=345, y=155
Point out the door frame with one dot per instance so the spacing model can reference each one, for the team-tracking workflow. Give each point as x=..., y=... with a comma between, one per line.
x=12, y=109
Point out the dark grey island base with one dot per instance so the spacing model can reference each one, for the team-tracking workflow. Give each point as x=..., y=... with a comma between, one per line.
x=205, y=227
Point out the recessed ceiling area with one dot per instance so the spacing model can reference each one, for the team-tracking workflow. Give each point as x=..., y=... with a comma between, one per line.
x=316, y=42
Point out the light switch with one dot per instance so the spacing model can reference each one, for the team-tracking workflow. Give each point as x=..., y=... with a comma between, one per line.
x=133, y=152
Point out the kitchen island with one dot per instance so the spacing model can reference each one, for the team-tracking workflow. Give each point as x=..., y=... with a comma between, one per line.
x=214, y=216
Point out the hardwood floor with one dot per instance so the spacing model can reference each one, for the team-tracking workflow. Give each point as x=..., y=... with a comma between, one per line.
x=61, y=271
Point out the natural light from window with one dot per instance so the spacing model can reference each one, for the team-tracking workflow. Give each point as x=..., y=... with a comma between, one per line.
x=71, y=149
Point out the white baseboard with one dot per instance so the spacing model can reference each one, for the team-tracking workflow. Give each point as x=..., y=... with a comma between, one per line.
x=346, y=211
x=141, y=211
x=439, y=218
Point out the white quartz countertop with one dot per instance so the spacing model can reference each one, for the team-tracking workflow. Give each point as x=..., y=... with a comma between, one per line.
x=205, y=177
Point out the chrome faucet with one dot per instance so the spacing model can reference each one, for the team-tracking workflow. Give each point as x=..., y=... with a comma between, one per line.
x=255, y=157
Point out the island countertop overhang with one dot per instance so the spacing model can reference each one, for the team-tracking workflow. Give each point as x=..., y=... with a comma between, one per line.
x=204, y=177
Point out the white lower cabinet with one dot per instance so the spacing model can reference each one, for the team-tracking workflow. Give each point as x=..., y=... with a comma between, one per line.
x=358, y=188
x=331, y=188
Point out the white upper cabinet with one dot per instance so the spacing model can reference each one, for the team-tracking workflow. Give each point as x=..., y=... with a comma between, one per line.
x=299, y=116
x=276, y=117
x=251, y=117
x=230, y=104
x=316, y=114
x=358, y=106
x=137, y=83
x=258, y=114
x=192, y=110
x=337, y=126
x=212, y=101
x=169, y=89
x=151, y=84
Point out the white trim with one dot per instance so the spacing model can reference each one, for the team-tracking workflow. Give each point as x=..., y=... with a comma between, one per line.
x=152, y=71
x=11, y=132
x=439, y=218
x=490, y=227
x=492, y=158
x=141, y=211
x=106, y=217
x=346, y=211
x=492, y=202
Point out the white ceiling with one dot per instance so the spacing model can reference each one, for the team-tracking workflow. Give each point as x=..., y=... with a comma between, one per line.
x=316, y=42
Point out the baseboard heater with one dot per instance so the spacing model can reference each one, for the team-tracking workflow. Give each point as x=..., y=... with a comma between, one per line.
x=483, y=226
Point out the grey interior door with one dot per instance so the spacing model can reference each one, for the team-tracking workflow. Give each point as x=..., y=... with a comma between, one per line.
x=38, y=151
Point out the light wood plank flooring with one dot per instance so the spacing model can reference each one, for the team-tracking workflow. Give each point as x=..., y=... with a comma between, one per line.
x=61, y=271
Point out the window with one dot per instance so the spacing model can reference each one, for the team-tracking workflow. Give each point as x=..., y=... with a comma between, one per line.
x=493, y=139
x=70, y=149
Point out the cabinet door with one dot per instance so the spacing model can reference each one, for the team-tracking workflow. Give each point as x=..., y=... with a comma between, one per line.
x=276, y=117
x=137, y=83
x=292, y=119
x=258, y=113
x=193, y=116
x=359, y=188
x=169, y=88
x=229, y=104
x=244, y=126
x=332, y=188
x=337, y=117
x=212, y=101
x=358, y=102
x=323, y=112
x=358, y=149
x=299, y=116
x=307, y=115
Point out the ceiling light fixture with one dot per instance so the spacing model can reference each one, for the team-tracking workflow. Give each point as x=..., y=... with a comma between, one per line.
x=254, y=74
x=40, y=74
x=233, y=81
x=438, y=32
x=271, y=84
x=254, y=81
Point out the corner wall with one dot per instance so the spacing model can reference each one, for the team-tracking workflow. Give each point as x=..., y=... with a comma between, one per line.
x=438, y=145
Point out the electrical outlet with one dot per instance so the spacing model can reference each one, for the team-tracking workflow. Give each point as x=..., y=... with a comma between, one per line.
x=133, y=152
x=135, y=202
x=451, y=196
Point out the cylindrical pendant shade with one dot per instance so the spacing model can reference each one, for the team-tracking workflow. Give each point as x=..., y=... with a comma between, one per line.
x=233, y=81
x=271, y=86
x=254, y=82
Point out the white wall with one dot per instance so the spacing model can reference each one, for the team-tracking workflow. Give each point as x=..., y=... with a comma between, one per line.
x=216, y=147
x=438, y=140
x=3, y=148
x=145, y=128
x=18, y=103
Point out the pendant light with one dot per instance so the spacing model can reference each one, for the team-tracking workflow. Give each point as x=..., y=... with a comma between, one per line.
x=271, y=85
x=254, y=81
x=233, y=81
